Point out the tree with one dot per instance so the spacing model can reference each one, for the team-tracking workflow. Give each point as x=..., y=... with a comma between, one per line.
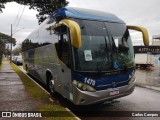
x=1, y=6
x=2, y=48
x=44, y=7
x=17, y=50
x=5, y=39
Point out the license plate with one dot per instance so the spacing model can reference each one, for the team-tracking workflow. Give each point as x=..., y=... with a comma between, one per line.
x=114, y=92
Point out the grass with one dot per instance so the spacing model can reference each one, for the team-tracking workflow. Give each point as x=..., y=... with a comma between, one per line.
x=0, y=62
x=57, y=111
x=40, y=95
x=0, y=65
x=33, y=89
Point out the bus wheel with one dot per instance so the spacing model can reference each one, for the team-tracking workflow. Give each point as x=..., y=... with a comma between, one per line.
x=51, y=86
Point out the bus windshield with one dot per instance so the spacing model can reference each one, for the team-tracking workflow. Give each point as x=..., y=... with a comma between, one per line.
x=105, y=47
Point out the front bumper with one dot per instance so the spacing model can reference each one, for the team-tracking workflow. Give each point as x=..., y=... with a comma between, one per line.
x=86, y=98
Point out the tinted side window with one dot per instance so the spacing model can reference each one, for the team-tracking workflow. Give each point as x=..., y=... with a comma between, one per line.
x=40, y=37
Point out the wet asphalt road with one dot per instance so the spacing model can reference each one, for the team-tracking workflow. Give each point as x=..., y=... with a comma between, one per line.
x=141, y=99
x=150, y=77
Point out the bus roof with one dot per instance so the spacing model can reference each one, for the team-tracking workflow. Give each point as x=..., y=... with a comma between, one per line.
x=81, y=13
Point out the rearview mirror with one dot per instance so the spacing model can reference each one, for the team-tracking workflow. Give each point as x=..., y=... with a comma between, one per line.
x=75, y=31
x=144, y=33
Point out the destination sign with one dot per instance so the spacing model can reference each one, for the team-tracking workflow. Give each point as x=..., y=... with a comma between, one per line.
x=147, y=49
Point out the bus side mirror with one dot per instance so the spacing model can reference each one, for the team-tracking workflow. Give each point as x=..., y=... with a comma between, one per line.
x=144, y=33
x=75, y=32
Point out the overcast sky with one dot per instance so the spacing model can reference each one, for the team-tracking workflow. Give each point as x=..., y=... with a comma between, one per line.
x=134, y=12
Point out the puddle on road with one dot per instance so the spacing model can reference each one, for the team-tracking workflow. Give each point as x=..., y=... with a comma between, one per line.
x=148, y=77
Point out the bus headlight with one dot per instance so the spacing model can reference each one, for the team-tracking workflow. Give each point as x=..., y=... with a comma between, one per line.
x=83, y=87
x=132, y=79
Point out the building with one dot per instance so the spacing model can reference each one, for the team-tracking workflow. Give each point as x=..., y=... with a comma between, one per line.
x=156, y=40
x=154, y=49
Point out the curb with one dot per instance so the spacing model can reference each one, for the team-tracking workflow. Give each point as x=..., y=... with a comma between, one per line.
x=77, y=118
x=32, y=79
x=73, y=114
x=148, y=86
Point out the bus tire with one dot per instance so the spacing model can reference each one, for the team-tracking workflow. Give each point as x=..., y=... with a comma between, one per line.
x=51, y=85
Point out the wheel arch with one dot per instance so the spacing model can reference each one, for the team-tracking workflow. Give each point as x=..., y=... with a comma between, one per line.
x=48, y=75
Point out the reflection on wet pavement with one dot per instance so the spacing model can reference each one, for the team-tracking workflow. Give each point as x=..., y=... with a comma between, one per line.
x=151, y=78
x=13, y=95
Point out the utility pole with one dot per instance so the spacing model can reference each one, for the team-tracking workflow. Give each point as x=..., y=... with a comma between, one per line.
x=11, y=46
x=12, y=42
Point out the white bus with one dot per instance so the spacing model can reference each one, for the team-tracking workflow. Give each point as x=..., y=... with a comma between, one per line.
x=85, y=55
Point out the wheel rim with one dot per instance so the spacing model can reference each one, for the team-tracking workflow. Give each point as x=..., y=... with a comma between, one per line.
x=51, y=86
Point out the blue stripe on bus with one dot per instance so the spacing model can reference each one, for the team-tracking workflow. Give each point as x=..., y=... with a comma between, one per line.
x=85, y=14
x=106, y=82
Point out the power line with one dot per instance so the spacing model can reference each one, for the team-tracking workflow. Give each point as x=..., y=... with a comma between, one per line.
x=19, y=19
x=15, y=21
